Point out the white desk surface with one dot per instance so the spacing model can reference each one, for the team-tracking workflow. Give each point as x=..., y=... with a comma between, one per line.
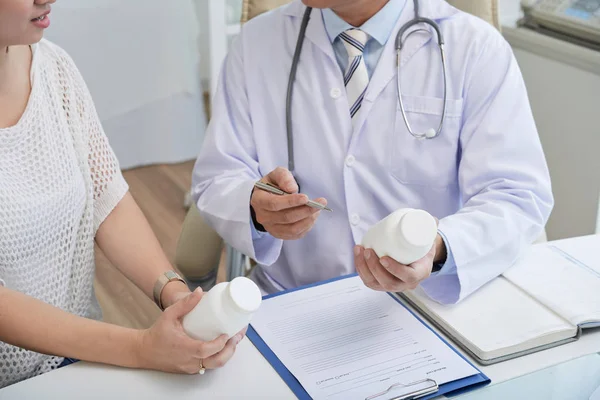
x=247, y=375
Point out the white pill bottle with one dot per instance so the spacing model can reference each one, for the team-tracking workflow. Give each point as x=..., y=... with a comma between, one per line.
x=406, y=235
x=226, y=309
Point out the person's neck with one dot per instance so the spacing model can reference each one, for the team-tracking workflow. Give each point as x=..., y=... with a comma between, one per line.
x=358, y=12
x=4, y=65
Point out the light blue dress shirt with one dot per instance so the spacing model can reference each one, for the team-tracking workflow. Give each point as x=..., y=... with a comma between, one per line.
x=379, y=28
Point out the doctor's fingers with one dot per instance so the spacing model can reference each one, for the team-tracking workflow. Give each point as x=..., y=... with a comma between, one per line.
x=289, y=216
x=388, y=281
x=412, y=274
x=282, y=178
x=363, y=270
x=296, y=230
x=266, y=201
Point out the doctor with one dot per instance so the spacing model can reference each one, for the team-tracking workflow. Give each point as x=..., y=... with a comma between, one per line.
x=483, y=174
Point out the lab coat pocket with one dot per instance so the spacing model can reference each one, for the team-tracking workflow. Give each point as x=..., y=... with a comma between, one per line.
x=426, y=162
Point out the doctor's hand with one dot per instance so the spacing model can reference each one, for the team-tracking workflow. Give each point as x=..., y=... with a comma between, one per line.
x=285, y=217
x=386, y=274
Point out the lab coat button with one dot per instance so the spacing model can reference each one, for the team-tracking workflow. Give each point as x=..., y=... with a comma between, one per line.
x=335, y=93
x=350, y=160
x=354, y=219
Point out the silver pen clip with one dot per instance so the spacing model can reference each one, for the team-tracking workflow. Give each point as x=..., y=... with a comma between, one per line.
x=432, y=387
x=267, y=187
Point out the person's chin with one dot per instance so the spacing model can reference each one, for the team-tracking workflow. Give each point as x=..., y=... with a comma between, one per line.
x=33, y=38
x=317, y=3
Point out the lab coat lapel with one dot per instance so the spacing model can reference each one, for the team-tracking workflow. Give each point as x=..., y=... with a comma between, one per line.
x=315, y=31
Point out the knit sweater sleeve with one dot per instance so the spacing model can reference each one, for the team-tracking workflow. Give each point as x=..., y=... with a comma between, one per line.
x=109, y=185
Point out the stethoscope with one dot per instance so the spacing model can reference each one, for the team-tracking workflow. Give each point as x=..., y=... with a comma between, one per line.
x=400, y=40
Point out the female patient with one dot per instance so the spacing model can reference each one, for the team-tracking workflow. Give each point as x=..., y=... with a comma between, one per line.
x=61, y=190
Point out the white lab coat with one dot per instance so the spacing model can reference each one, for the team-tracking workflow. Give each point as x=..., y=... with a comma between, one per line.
x=485, y=177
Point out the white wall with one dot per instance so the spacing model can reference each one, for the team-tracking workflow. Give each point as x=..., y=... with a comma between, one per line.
x=565, y=103
x=510, y=11
x=202, y=14
x=563, y=84
x=140, y=61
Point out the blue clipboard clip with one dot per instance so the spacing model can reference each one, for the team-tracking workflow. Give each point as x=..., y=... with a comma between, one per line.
x=431, y=388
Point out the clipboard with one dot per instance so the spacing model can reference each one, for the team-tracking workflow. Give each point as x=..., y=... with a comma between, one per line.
x=427, y=388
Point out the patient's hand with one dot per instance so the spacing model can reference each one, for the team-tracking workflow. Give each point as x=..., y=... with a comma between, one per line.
x=166, y=347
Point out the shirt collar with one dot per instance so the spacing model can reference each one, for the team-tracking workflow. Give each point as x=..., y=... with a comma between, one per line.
x=379, y=26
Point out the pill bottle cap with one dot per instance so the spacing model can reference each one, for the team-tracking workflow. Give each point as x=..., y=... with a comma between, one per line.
x=244, y=294
x=418, y=228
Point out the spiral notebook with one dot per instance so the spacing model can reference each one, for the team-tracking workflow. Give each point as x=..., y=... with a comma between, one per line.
x=546, y=299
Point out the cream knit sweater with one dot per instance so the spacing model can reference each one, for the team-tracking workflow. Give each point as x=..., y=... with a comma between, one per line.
x=59, y=179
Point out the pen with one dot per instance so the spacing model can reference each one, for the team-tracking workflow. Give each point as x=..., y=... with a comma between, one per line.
x=267, y=187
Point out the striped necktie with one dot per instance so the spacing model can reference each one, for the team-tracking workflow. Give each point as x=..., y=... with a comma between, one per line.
x=356, y=77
